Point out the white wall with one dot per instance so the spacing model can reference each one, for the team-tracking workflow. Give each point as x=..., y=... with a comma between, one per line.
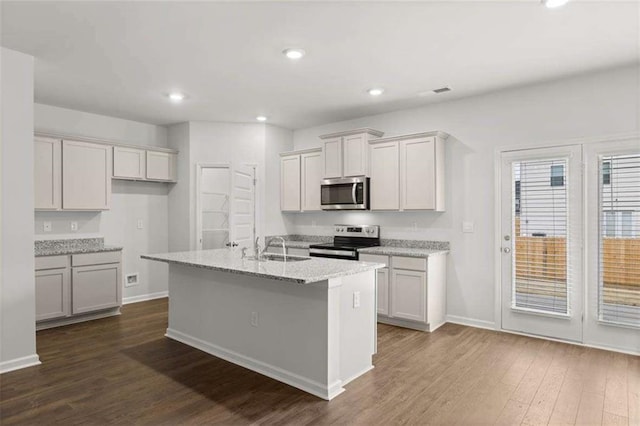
x=585, y=106
x=277, y=140
x=17, y=288
x=130, y=201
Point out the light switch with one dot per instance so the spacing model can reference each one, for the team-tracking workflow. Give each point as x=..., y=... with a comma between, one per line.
x=140, y=224
x=467, y=227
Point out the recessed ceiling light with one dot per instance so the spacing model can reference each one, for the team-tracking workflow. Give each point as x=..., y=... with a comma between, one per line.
x=261, y=118
x=552, y=4
x=294, y=53
x=375, y=91
x=176, y=96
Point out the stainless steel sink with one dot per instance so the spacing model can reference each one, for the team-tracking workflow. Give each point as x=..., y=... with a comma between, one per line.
x=278, y=258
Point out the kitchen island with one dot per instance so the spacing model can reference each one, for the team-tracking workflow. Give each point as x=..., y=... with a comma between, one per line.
x=307, y=322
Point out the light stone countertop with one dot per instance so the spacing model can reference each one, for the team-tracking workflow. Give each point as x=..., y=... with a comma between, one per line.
x=62, y=247
x=304, y=272
x=402, y=251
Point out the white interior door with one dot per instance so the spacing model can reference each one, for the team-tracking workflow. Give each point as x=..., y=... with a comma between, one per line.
x=243, y=220
x=612, y=316
x=541, y=242
x=214, y=185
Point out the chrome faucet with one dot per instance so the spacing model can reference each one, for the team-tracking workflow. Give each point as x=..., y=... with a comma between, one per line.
x=268, y=242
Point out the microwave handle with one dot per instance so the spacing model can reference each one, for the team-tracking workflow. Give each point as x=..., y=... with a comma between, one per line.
x=353, y=193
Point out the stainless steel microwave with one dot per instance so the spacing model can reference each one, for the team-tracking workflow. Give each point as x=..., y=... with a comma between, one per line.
x=345, y=193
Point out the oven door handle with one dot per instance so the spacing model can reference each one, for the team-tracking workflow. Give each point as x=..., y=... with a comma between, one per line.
x=343, y=253
x=353, y=193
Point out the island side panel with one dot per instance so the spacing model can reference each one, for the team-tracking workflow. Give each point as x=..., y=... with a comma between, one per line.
x=212, y=311
x=357, y=325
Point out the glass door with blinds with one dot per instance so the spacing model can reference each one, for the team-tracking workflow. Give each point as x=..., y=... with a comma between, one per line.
x=613, y=245
x=541, y=242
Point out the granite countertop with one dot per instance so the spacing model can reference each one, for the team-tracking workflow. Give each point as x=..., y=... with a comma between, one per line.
x=402, y=251
x=72, y=246
x=304, y=272
x=299, y=241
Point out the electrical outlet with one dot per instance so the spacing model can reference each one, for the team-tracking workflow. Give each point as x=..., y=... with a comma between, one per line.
x=46, y=226
x=74, y=226
x=415, y=226
x=356, y=299
x=140, y=224
x=131, y=280
x=254, y=319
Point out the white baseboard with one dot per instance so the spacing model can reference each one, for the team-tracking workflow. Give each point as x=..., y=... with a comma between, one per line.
x=570, y=342
x=471, y=322
x=144, y=297
x=18, y=363
x=295, y=380
x=77, y=319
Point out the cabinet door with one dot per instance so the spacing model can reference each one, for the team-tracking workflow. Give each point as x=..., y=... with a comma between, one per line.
x=290, y=183
x=311, y=176
x=332, y=152
x=86, y=176
x=47, y=173
x=354, y=155
x=408, y=295
x=385, y=176
x=161, y=166
x=52, y=294
x=95, y=287
x=383, y=290
x=417, y=174
x=129, y=163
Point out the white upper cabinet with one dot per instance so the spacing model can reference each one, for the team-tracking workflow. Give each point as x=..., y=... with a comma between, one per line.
x=332, y=149
x=300, y=176
x=290, y=182
x=129, y=163
x=86, y=176
x=354, y=158
x=346, y=153
x=311, y=175
x=47, y=173
x=407, y=172
x=385, y=176
x=161, y=166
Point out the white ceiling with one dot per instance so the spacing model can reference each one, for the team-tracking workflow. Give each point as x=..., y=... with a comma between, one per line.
x=120, y=58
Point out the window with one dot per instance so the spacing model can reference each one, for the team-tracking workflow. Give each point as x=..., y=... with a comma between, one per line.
x=619, y=275
x=557, y=175
x=606, y=172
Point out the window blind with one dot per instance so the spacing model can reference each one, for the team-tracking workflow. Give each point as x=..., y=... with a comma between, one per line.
x=541, y=273
x=619, y=235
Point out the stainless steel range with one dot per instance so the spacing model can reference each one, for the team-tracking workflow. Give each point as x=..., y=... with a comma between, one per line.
x=347, y=239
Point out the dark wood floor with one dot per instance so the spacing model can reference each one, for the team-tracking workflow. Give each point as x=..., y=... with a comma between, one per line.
x=122, y=370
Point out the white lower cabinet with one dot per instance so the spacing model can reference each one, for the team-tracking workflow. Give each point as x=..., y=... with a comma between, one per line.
x=408, y=295
x=66, y=294
x=411, y=291
x=53, y=290
x=382, y=279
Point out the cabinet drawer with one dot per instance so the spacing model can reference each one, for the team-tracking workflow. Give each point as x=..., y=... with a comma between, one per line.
x=413, y=263
x=51, y=262
x=375, y=258
x=95, y=258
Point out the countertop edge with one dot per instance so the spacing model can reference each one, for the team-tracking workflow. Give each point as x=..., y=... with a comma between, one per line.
x=79, y=251
x=372, y=266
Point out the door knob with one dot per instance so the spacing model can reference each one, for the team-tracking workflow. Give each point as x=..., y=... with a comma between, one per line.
x=506, y=250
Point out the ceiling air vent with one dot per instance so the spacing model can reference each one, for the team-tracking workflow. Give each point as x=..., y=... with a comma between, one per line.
x=442, y=90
